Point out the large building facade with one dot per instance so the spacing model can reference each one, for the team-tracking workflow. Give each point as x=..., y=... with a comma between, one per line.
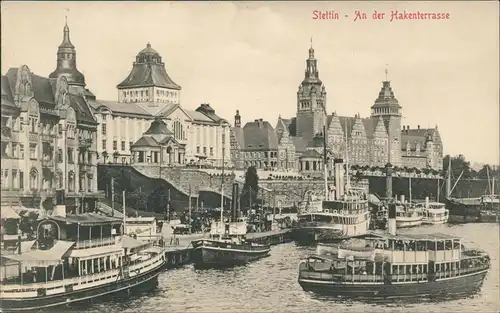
x=372, y=141
x=49, y=135
x=147, y=94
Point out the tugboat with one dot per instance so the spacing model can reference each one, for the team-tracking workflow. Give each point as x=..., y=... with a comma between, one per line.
x=77, y=257
x=395, y=266
x=227, y=247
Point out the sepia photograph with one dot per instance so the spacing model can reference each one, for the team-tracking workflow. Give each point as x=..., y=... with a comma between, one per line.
x=250, y=156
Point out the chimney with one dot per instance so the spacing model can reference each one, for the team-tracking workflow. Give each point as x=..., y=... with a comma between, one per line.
x=261, y=122
x=418, y=126
x=392, y=218
x=388, y=181
x=402, y=198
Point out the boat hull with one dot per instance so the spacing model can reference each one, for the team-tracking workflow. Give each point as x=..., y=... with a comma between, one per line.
x=142, y=281
x=408, y=223
x=313, y=235
x=206, y=256
x=465, y=284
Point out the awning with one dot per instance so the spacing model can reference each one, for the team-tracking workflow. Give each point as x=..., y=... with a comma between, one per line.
x=155, y=250
x=87, y=219
x=131, y=243
x=8, y=212
x=92, y=253
x=43, y=258
x=25, y=212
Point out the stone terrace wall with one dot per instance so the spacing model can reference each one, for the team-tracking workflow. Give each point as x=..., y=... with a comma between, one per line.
x=186, y=179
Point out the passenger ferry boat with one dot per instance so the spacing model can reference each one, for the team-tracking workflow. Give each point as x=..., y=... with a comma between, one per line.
x=406, y=216
x=77, y=257
x=344, y=217
x=433, y=212
x=395, y=266
x=227, y=247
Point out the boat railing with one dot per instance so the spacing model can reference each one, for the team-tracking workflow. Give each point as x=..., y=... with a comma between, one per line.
x=93, y=243
x=80, y=280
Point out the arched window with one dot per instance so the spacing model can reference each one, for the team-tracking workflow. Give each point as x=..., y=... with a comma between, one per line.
x=71, y=181
x=33, y=179
x=178, y=130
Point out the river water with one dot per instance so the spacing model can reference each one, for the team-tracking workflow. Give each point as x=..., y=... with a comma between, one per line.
x=270, y=285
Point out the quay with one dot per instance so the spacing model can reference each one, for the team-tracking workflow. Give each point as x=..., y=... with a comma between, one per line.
x=178, y=247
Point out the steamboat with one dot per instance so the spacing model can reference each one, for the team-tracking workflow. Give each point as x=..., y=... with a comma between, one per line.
x=227, y=247
x=433, y=213
x=346, y=215
x=77, y=257
x=395, y=266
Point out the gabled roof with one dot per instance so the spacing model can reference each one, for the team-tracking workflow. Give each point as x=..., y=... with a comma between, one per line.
x=118, y=107
x=311, y=153
x=259, y=135
x=299, y=143
x=82, y=110
x=146, y=141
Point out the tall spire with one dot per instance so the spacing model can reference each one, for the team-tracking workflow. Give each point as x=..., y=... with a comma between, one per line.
x=66, y=43
x=311, y=50
x=66, y=60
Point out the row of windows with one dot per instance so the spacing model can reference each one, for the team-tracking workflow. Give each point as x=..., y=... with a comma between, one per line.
x=35, y=126
x=115, y=145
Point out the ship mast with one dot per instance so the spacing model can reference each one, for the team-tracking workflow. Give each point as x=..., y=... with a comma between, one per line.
x=448, y=179
x=325, y=161
x=348, y=181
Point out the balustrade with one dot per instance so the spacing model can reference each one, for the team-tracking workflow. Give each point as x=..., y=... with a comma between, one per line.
x=92, y=243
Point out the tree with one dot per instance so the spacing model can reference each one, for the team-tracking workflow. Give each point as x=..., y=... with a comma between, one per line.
x=250, y=188
x=138, y=200
x=458, y=165
x=104, y=156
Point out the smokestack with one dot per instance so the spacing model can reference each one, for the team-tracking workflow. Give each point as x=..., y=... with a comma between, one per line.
x=402, y=198
x=392, y=219
x=426, y=201
x=234, y=202
x=388, y=181
x=339, y=178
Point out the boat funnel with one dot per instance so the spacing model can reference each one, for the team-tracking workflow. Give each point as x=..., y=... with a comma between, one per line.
x=402, y=198
x=388, y=181
x=60, y=207
x=392, y=219
x=426, y=201
x=339, y=178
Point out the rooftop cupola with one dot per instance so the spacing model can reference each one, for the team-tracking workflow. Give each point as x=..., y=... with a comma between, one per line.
x=66, y=61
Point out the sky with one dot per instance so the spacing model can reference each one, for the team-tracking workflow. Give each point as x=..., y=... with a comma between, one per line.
x=251, y=56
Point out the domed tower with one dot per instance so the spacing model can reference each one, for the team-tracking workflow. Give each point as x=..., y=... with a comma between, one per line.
x=148, y=83
x=66, y=65
x=387, y=107
x=311, y=101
